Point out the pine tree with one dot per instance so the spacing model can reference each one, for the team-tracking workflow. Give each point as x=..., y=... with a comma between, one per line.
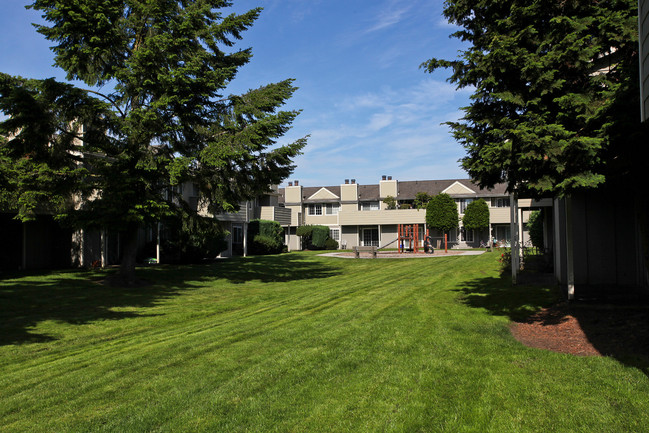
x=555, y=103
x=121, y=153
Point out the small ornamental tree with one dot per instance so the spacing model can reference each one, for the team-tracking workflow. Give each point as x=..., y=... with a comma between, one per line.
x=391, y=202
x=441, y=213
x=421, y=200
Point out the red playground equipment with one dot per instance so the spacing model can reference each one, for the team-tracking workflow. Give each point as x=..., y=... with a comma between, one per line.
x=409, y=233
x=408, y=238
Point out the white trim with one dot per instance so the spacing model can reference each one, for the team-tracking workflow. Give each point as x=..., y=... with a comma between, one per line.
x=323, y=189
x=469, y=191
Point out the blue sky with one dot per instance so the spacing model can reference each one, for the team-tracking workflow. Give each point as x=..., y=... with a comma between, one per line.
x=368, y=108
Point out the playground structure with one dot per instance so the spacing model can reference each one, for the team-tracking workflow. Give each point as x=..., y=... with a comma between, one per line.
x=408, y=234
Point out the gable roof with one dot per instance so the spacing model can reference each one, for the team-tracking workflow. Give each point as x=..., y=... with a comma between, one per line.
x=456, y=187
x=330, y=194
x=323, y=194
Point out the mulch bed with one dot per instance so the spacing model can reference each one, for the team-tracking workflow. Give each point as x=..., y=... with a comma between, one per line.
x=588, y=330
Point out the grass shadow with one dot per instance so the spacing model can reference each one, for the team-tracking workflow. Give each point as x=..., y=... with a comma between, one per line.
x=616, y=329
x=80, y=297
x=499, y=297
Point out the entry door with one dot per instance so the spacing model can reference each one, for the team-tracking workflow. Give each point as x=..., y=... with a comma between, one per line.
x=370, y=237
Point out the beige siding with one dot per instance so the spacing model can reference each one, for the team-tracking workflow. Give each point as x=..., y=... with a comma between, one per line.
x=296, y=215
x=324, y=194
x=275, y=213
x=499, y=215
x=388, y=187
x=349, y=192
x=395, y=216
x=349, y=236
x=325, y=220
x=293, y=194
x=458, y=188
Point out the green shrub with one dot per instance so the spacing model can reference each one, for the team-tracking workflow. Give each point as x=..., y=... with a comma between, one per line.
x=331, y=244
x=303, y=231
x=262, y=245
x=313, y=236
x=265, y=237
x=319, y=236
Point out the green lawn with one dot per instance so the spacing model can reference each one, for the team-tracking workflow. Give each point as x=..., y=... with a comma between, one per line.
x=298, y=343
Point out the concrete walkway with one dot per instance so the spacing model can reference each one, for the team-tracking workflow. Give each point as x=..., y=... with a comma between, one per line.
x=395, y=255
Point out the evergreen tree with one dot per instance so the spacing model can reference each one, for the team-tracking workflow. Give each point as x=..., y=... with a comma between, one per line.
x=555, y=103
x=476, y=215
x=441, y=213
x=121, y=154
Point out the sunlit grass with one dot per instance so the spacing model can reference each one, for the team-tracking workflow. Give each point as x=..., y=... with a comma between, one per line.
x=297, y=342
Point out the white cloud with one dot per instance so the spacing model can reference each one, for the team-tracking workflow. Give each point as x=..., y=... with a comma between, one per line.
x=391, y=131
x=389, y=15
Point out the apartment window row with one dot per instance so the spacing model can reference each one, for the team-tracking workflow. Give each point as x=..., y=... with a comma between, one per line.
x=324, y=209
x=369, y=205
x=500, y=202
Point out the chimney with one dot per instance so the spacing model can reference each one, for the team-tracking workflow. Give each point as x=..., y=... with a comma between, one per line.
x=383, y=177
x=346, y=181
x=290, y=184
x=297, y=182
x=353, y=181
x=389, y=177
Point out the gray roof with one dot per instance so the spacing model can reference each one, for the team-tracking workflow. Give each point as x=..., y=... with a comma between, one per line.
x=407, y=190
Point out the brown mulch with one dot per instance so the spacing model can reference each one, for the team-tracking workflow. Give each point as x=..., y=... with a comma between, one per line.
x=588, y=330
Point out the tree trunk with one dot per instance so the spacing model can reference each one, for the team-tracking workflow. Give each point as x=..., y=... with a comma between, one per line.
x=129, y=253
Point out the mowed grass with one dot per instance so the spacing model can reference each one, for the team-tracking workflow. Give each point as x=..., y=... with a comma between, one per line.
x=298, y=343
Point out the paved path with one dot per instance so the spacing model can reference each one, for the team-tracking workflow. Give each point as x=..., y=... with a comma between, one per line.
x=396, y=255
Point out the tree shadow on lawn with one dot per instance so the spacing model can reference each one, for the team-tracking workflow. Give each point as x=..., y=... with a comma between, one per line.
x=240, y=270
x=499, y=297
x=616, y=329
x=80, y=296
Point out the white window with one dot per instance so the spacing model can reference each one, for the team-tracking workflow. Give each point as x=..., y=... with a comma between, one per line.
x=464, y=202
x=500, y=202
x=332, y=209
x=315, y=209
x=369, y=205
x=334, y=234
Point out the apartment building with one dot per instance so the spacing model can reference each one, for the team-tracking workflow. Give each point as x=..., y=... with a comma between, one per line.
x=357, y=215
